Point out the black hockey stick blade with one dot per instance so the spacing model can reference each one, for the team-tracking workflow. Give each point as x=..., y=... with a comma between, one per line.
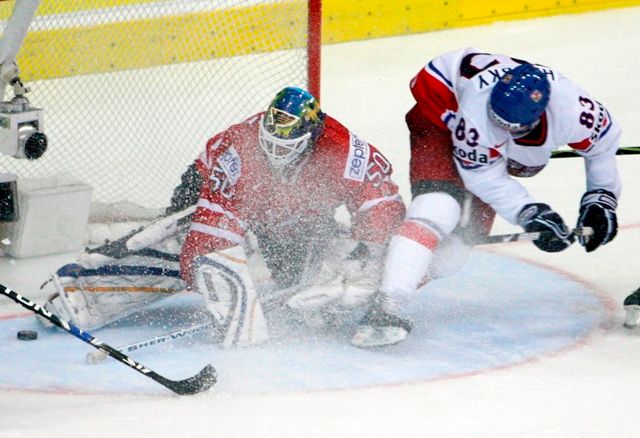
x=528, y=236
x=202, y=381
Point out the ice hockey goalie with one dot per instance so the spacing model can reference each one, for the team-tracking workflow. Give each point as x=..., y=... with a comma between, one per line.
x=261, y=231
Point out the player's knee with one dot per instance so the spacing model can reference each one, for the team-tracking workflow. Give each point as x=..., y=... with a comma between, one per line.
x=438, y=209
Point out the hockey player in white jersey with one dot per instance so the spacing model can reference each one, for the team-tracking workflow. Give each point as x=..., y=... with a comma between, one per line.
x=479, y=121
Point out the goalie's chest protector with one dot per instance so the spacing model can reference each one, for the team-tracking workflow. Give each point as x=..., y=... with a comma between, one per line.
x=313, y=187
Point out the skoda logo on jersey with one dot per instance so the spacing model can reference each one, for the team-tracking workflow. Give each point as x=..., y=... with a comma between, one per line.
x=602, y=124
x=356, y=165
x=470, y=159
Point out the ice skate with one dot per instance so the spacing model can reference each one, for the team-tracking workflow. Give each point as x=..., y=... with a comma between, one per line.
x=632, y=309
x=381, y=325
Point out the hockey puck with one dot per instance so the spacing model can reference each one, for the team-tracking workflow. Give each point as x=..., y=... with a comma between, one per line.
x=27, y=335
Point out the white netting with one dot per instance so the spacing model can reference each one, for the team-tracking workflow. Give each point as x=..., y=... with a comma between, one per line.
x=132, y=92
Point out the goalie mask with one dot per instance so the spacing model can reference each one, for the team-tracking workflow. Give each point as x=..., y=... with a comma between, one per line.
x=518, y=100
x=290, y=126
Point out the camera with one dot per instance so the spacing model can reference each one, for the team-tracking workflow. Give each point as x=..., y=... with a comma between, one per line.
x=21, y=129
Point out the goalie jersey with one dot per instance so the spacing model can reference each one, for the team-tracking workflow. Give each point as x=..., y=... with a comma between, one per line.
x=241, y=191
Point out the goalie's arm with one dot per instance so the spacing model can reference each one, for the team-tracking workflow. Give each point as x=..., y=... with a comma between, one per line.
x=187, y=192
x=215, y=227
x=375, y=203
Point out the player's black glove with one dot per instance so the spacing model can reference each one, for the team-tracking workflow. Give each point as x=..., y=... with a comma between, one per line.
x=598, y=211
x=540, y=217
x=187, y=192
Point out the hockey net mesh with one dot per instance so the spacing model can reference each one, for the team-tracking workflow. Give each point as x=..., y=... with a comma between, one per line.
x=132, y=89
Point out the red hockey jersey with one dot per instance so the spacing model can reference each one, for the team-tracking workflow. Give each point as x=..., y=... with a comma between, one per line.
x=240, y=188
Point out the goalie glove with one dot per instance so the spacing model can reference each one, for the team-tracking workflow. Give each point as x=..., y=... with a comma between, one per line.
x=349, y=275
x=361, y=272
x=598, y=211
x=540, y=217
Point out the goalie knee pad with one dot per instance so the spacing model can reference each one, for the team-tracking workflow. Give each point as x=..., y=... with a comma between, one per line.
x=223, y=280
x=121, y=277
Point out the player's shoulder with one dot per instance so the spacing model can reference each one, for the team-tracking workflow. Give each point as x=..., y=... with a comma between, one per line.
x=562, y=88
x=250, y=124
x=345, y=150
x=232, y=144
x=567, y=101
x=338, y=140
x=235, y=135
x=332, y=126
x=455, y=57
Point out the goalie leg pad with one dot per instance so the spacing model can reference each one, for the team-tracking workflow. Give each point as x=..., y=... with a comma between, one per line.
x=93, y=298
x=316, y=296
x=222, y=278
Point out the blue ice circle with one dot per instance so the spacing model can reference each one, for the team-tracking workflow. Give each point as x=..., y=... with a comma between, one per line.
x=497, y=312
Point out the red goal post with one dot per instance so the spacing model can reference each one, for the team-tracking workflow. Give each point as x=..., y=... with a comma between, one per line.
x=132, y=89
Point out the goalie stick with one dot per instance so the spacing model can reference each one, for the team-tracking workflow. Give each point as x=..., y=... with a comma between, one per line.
x=100, y=356
x=202, y=381
x=134, y=242
x=528, y=236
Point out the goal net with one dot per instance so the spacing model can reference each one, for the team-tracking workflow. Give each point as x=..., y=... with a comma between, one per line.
x=132, y=89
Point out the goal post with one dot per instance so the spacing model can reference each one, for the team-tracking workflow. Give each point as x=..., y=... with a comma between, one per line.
x=132, y=89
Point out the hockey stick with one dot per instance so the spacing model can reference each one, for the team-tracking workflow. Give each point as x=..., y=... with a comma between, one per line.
x=202, y=381
x=100, y=356
x=527, y=236
x=570, y=153
x=134, y=242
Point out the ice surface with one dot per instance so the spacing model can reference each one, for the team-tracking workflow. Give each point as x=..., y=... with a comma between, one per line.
x=465, y=324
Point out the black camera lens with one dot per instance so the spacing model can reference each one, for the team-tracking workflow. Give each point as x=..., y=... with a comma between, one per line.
x=35, y=146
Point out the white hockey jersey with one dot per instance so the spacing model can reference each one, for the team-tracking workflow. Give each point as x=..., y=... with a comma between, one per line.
x=453, y=91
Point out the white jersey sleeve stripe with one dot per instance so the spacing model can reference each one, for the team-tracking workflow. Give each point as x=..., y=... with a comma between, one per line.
x=217, y=208
x=218, y=232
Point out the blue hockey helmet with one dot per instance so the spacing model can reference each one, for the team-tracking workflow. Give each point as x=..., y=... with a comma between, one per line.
x=291, y=125
x=518, y=100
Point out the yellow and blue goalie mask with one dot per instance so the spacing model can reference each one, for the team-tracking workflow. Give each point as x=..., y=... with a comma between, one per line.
x=290, y=126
